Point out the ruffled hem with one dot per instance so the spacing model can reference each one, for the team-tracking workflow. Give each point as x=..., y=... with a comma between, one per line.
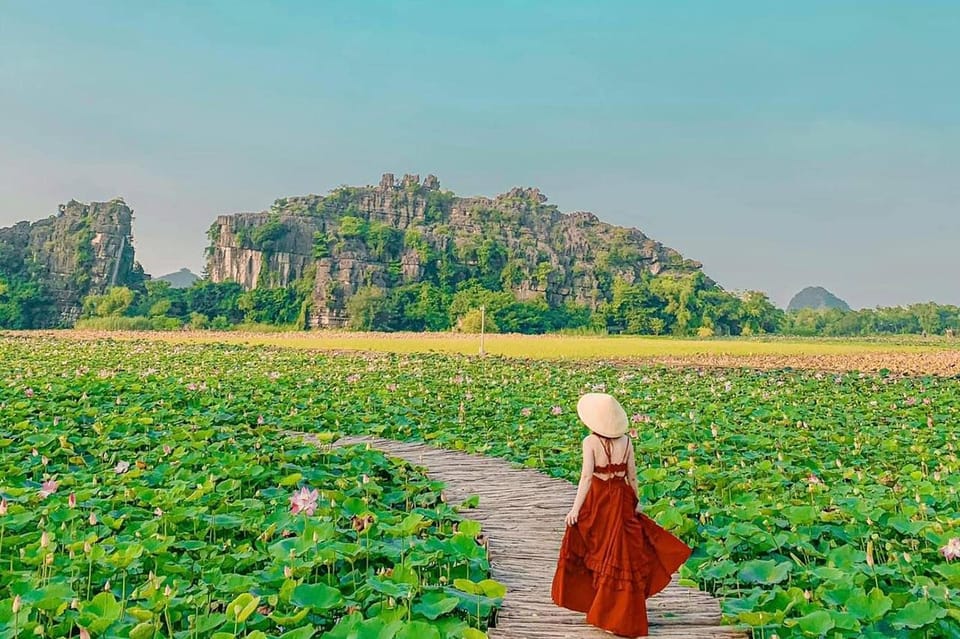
x=613, y=577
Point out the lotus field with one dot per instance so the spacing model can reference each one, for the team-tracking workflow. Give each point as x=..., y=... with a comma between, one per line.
x=148, y=490
x=148, y=494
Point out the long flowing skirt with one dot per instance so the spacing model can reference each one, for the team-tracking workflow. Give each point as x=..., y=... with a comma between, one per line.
x=613, y=559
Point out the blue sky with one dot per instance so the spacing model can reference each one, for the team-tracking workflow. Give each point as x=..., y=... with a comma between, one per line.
x=780, y=143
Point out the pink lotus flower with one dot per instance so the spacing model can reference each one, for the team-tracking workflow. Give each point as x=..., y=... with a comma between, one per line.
x=166, y=449
x=260, y=420
x=353, y=379
x=636, y=418
x=191, y=386
x=392, y=387
x=28, y=392
x=633, y=433
x=121, y=467
x=84, y=634
x=158, y=512
x=3, y=507
x=304, y=501
x=47, y=488
x=814, y=480
x=525, y=412
x=556, y=410
x=952, y=550
x=72, y=500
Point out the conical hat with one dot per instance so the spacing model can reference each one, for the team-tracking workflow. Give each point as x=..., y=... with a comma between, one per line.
x=602, y=414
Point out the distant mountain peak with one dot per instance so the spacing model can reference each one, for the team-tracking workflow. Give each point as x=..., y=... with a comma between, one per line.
x=816, y=298
x=184, y=278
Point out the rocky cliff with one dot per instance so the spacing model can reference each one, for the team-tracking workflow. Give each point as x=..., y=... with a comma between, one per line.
x=83, y=249
x=408, y=231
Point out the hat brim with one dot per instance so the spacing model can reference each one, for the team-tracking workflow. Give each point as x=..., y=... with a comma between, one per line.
x=602, y=414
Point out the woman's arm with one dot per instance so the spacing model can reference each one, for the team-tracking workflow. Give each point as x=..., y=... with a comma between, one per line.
x=632, y=474
x=586, y=476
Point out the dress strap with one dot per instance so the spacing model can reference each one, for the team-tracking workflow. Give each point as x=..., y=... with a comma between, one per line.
x=607, y=446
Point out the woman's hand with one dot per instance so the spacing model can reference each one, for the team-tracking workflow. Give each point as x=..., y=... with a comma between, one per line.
x=572, y=517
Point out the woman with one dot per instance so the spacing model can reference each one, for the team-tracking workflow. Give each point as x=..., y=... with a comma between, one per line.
x=613, y=556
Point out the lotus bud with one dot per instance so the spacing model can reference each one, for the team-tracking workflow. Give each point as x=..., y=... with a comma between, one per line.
x=72, y=500
x=84, y=634
x=87, y=548
x=93, y=519
x=870, y=553
x=44, y=539
x=74, y=603
x=17, y=602
x=106, y=586
x=48, y=560
x=288, y=572
x=3, y=507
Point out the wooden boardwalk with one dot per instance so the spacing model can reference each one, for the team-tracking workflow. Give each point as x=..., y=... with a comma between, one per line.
x=522, y=513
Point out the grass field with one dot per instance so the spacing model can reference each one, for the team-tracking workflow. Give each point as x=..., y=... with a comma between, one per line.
x=907, y=354
x=550, y=346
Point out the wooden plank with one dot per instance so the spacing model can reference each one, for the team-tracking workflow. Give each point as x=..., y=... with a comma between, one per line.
x=522, y=513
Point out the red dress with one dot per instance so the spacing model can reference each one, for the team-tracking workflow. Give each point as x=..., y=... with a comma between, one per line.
x=613, y=559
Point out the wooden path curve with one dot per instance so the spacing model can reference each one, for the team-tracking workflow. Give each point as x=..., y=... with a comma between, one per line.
x=522, y=512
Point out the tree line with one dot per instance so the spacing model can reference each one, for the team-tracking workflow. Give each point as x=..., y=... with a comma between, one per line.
x=686, y=305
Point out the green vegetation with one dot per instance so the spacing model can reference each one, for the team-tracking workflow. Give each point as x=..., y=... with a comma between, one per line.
x=916, y=319
x=205, y=305
x=155, y=494
x=817, y=504
x=25, y=299
x=678, y=306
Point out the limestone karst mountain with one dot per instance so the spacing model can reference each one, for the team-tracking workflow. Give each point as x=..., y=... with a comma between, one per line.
x=184, y=278
x=408, y=231
x=817, y=298
x=47, y=267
